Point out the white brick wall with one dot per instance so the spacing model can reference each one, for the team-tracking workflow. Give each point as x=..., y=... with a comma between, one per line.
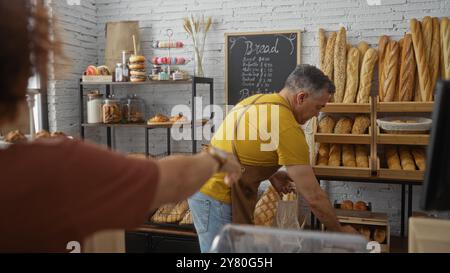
x=85, y=40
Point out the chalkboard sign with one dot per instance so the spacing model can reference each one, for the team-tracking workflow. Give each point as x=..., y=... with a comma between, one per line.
x=258, y=63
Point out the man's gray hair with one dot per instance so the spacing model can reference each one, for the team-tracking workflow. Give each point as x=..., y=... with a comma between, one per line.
x=310, y=79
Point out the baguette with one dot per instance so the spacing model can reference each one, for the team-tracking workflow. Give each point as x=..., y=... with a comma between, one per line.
x=417, y=96
x=326, y=125
x=352, y=81
x=323, y=154
x=343, y=126
x=362, y=122
x=335, y=155
x=382, y=47
x=435, y=54
x=348, y=155
x=340, y=60
x=329, y=56
x=392, y=159
x=365, y=78
x=362, y=156
x=445, y=38
x=419, y=51
x=390, y=71
x=362, y=47
x=406, y=159
x=322, y=48
x=400, y=48
x=407, y=70
x=419, y=158
x=442, y=62
x=427, y=32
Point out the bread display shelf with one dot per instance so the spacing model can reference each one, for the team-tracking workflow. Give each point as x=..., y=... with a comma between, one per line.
x=366, y=219
x=385, y=173
x=144, y=125
x=342, y=171
x=332, y=107
x=403, y=139
x=343, y=138
x=404, y=106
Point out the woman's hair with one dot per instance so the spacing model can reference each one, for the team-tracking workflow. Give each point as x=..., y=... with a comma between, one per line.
x=24, y=28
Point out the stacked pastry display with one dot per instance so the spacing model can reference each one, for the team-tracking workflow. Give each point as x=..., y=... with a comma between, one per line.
x=137, y=68
x=347, y=155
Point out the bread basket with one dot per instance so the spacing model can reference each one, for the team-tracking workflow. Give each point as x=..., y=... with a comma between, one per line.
x=405, y=125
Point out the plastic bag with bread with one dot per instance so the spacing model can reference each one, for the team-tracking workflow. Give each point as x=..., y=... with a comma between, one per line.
x=266, y=207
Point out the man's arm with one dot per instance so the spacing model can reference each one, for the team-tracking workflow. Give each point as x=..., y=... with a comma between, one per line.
x=307, y=185
x=182, y=176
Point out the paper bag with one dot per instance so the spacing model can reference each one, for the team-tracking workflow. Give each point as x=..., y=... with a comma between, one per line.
x=119, y=37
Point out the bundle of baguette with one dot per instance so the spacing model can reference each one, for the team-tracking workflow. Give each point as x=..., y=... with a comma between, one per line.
x=347, y=155
x=405, y=158
x=350, y=68
x=344, y=125
x=407, y=69
x=170, y=213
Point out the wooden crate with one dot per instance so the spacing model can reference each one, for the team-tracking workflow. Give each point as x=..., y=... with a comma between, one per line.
x=404, y=106
x=385, y=173
x=401, y=139
x=366, y=219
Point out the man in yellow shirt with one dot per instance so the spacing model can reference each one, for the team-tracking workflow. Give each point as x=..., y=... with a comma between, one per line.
x=264, y=133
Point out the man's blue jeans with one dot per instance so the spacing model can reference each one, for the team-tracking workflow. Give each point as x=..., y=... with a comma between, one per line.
x=209, y=216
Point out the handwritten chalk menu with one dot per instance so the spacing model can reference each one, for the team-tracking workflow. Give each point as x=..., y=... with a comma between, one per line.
x=258, y=63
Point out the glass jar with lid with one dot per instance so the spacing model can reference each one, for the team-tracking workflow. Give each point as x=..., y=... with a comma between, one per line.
x=112, y=112
x=94, y=107
x=134, y=109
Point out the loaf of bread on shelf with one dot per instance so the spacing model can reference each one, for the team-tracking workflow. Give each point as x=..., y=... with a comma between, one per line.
x=348, y=155
x=445, y=38
x=445, y=48
x=392, y=158
x=352, y=80
x=329, y=55
x=187, y=219
x=366, y=76
x=362, y=156
x=382, y=49
x=324, y=154
x=422, y=65
x=361, y=124
x=419, y=157
x=160, y=216
x=390, y=71
x=322, y=47
x=178, y=212
x=379, y=235
x=427, y=32
x=335, y=155
x=326, y=125
x=360, y=205
x=362, y=48
x=407, y=70
x=365, y=231
x=266, y=207
x=406, y=158
x=347, y=204
x=435, y=55
x=343, y=126
x=340, y=60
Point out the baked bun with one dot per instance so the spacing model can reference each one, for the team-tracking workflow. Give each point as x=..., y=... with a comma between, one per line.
x=360, y=205
x=58, y=134
x=15, y=137
x=137, y=59
x=365, y=232
x=141, y=73
x=137, y=78
x=178, y=118
x=347, y=204
x=379, y=235
x=42, y=134
x=158, y=118
x=103, y=70
x=136, y=66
